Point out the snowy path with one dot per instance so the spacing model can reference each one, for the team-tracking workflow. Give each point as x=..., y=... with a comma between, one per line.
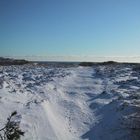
x=68, y=110
x=69, y=103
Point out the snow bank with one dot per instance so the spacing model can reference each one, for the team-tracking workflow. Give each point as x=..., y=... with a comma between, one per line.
x=92, y=103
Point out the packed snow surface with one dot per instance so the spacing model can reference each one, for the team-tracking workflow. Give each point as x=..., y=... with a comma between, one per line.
x=72, y=103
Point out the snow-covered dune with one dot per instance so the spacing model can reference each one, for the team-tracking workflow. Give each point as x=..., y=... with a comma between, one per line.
x=73, y=103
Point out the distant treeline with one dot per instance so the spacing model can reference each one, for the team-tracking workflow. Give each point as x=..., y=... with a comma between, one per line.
x=89, y=64
x=8, y=61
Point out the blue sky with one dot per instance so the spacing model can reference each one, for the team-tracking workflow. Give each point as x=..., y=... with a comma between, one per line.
x=70, y=29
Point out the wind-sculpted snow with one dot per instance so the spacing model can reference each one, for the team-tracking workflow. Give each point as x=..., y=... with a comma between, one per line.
x=73, y=103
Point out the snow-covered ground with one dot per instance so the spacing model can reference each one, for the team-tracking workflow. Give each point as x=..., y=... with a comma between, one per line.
x=73, y=103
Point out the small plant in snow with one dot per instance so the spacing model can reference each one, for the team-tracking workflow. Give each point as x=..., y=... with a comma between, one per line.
x=11, y=130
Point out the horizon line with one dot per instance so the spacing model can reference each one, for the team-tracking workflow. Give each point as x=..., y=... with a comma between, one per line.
x=76, y=58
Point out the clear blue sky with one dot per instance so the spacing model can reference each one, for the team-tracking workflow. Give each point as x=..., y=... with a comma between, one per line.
x=70, y=29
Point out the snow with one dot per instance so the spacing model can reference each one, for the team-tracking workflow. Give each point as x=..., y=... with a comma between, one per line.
x=72, y=103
